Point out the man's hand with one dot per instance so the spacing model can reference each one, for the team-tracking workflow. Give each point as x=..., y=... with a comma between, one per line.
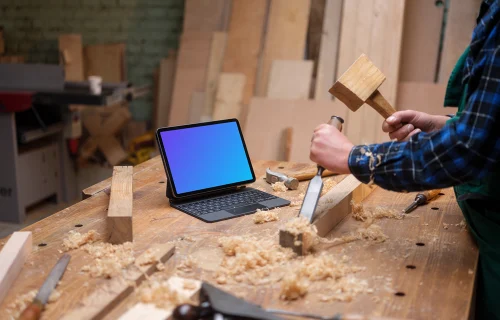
x=403, y=124
x=330, y=149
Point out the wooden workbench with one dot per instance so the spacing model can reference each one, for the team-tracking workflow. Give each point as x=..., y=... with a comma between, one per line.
x=426, y=269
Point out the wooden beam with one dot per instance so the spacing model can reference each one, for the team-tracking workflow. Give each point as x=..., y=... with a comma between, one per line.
x=119, y=220
x=290, y=79
x=166, y=76
x=100, y=302
x=285, y=36
x=13, y=255
x=214, y=68
x=196, y=106
x=71, y=54
x=202, y=15
x=228, y=101
x=328, y=52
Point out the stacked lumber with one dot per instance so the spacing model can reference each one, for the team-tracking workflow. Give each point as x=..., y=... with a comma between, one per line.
x=265, y=61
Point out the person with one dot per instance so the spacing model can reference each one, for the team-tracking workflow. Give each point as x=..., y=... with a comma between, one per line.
x=430, y=152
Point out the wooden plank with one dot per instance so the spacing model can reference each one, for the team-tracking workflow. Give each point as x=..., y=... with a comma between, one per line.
x=202, y=15
x=424, y=97
x=244, y=42
x=314, y=30
x=71, y=56
x=290, y=79
x=100, y=302
x=460, y=21
x=13, y=255
x=423, y=20
x=166, y=76
x=269, y=118
x=228, y=101
x=190, y=73
x=214, y=68
x=328, y=52
x=119, y=220
x=374, y=28
x=196, y=106
x=285, y=36
x=106, y=61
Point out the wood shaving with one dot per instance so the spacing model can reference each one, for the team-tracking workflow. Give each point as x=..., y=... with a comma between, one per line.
x=346, y=289
x=187, y=265
x=15, y=308
x=54, y=296
x=445, y=226
x=279, y=186
x=161, y=294
x=109, y=259
x=149, y=256
x=292, y=287
x=461, y=225
x=160, y=266
x=265, y=216
x=296, y=203
x=328, y=184
x=359, y=213
x=75, y=240
x=301, y=226
x=373, y=233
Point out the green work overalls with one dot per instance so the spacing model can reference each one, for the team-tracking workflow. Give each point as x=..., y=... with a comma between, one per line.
x=479, y=200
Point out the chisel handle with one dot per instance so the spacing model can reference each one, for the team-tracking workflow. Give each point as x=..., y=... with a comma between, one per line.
x=32, y=312
x=431, y=194
x=337, y=123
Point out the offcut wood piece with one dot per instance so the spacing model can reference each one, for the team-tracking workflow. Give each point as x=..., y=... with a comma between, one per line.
x=106, y=61
x=374, y=28
x=12, y=257
x=285, y=37
x=190, y=73
x=332, y=208
x=166, y=76
x=328, y=50
x=104, y=299
x=202, y=15
x=119, y=220
x=149, y=311
x=423, y=96
x=290, y=79
x=423, y=20
x=460, y=22
x=196, y=106
x=217, y=49
x=229, y=97
x=268, y=119
x=71, y=53
x=244, y=44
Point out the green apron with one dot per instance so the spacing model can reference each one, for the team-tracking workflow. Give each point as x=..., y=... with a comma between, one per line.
x=478, y=201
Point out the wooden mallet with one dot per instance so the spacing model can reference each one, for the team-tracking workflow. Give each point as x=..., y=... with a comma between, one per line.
x=359, y=84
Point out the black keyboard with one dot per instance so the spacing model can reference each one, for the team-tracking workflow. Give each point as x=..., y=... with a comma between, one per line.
x=230, y=201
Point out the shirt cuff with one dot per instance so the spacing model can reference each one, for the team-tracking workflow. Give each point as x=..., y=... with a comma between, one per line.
x=359, y=163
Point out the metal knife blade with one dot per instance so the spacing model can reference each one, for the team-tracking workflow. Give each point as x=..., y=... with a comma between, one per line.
x=52, y=280
x=311, y=198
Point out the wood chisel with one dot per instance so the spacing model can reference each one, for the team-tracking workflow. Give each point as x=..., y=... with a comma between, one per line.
x=34, y=310
x=421, y=199
x=316, y=185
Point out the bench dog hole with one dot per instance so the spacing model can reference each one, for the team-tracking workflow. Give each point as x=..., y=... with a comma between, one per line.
x=42, y=244
x=435, y=208
x=410, y=266
x=79, y=225
x=400, y=294
x=441, y=194
x=420, y=244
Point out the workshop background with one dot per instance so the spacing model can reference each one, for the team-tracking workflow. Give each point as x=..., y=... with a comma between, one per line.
x=268, y=63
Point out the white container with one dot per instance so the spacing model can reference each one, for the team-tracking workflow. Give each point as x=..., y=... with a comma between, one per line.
x=95, y=84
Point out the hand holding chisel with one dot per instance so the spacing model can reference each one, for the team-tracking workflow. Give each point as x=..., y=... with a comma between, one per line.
x=421, y=199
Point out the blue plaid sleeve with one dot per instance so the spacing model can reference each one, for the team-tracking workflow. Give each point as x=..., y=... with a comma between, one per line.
x=465, y=149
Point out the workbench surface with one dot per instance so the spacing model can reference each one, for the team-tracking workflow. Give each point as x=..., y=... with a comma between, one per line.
x=426, y=269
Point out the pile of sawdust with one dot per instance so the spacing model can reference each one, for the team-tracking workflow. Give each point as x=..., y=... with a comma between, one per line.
x=109, y=259
x=279, y=186
x=293, y=287
x=250, y=260
x=265, y=216
x=75, y=240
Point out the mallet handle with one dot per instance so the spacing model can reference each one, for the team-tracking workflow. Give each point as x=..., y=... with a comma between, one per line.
x=382, y=106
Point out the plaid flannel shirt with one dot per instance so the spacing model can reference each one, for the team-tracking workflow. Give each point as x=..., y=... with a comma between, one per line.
x=466, y=148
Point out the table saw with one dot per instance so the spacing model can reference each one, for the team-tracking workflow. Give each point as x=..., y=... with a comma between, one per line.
x=425, y=269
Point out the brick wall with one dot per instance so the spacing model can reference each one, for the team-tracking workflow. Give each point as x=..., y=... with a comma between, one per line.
x=150, y=28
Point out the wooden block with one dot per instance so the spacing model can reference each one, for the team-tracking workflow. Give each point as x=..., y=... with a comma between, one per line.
x=332, y=208
x=285, y=37
x=374, y=28
x=244, y=41
x=228, y=101
x=190, y=73
x=119, y=220
x=13, y=255
x=214, y=68
x=328, y=50
x=460, y=21
x=106, y=61
x=424, y=97
x=196, y=106
x=290, y=79
x=268, y=119
x=420, y=46
x=202, y=15
x=100, y=302
x=166, y=76
x=70, y=45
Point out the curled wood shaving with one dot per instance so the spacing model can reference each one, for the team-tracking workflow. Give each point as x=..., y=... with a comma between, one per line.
x=75, y=240
x=54, y=296
x=149, y=256
x=187, y=265
x=109, y=259
x=293, y=287
x=279, y=186
x=265, y=216
x=359, y=213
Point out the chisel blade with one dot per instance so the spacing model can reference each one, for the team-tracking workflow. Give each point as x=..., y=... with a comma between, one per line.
x=311, y=198
x=52, y=280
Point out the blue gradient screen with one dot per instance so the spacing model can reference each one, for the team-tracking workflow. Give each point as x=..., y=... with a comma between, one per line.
x=206, y=156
